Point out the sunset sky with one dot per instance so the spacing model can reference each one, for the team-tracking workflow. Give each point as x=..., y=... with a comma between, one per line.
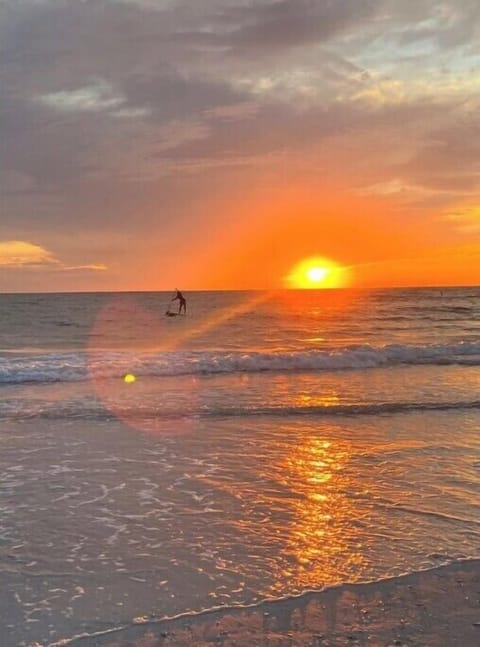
x=214, y=144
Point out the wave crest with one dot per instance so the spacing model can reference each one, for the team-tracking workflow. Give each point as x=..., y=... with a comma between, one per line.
x=71, y=367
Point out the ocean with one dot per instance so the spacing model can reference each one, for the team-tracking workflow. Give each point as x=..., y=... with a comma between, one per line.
x=262, y=446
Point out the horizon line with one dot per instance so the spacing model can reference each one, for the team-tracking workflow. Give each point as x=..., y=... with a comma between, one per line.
x=280, y=289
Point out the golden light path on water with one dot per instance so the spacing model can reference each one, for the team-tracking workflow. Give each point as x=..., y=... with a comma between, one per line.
x=304, y=515
x=315, y=472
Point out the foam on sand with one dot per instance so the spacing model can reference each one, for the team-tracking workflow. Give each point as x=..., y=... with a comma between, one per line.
x=434, y=608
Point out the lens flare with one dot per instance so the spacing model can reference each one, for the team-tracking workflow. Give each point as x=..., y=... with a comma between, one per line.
x=166, y=406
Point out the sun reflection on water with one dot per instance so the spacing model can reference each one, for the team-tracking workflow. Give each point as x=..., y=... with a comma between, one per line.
x=324, y=529
x=311, y=400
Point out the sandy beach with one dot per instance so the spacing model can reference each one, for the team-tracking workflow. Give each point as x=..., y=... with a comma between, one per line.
x=436, y=608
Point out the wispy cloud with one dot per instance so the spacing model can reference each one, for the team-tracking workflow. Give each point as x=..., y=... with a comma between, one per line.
x=19, y=254
x=91, y=98
x=100, y=96
x=93, y=267
x=467, y=219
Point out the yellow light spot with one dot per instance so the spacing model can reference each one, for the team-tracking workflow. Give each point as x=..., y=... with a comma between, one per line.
x=129, y=378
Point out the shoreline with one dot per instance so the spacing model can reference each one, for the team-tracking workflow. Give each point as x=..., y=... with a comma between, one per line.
x=439, y=607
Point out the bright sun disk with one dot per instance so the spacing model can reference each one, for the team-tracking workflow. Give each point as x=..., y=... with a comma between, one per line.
x=317, y=273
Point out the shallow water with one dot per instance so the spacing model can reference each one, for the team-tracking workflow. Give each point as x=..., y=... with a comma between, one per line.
x=242, y=463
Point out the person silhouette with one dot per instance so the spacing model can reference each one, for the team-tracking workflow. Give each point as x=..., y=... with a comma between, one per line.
x=182, y=303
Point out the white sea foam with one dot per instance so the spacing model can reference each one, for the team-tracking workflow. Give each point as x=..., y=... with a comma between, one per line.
x=71, y=367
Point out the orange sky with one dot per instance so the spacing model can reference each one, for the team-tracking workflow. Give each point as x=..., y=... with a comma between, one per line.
x=287, y=226
x=269, y=133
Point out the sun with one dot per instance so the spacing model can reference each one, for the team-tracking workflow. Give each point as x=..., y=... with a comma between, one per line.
x=317, y=273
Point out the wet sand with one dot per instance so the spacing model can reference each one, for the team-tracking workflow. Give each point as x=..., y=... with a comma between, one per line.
x=435, y=608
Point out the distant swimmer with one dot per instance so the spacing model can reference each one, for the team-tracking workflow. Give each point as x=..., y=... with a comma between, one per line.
x=182, y=304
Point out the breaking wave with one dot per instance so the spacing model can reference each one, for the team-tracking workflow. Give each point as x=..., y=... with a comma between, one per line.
x=72, y=367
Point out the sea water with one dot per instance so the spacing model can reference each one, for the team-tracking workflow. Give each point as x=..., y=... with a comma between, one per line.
x=263, y=445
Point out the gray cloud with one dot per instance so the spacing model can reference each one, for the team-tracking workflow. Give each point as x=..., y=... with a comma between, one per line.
x=450, y=158
x=288, y=23
x=173, y=96
x=129, y=113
